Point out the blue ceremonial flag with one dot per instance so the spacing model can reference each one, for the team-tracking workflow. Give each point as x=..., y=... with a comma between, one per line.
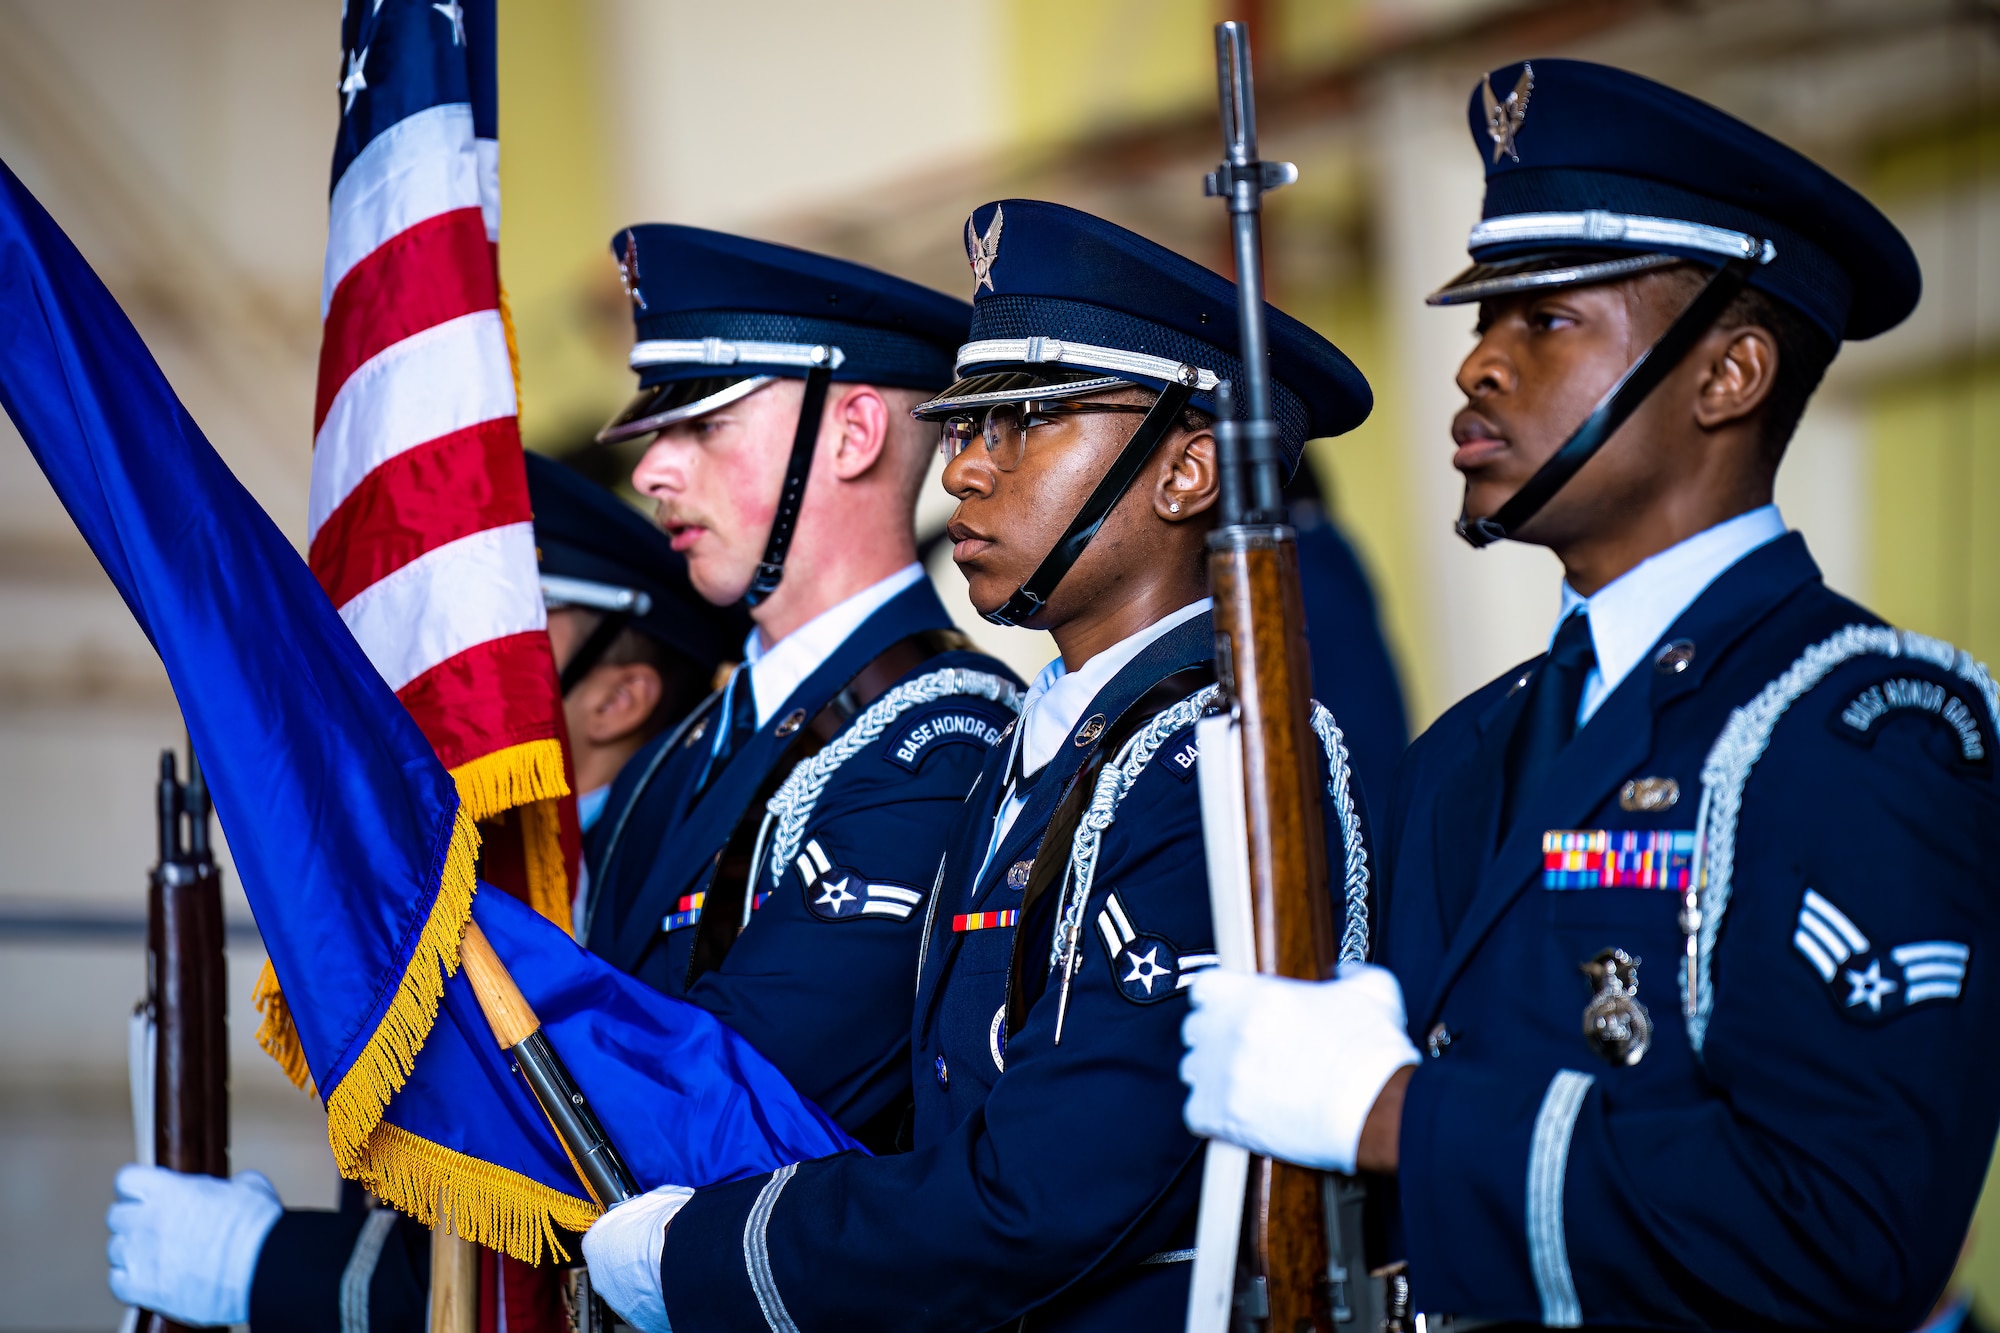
x=346, y=830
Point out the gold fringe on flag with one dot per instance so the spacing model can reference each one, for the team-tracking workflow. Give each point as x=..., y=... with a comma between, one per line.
x=541, y=845
x=276, y=1034
x=488, y=1205
x=517, y=775
x=354, y=1106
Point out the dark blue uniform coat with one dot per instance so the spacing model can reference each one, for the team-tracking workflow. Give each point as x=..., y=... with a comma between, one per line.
x=817, y=984
x=1051, y=1181
x=1815, y=1163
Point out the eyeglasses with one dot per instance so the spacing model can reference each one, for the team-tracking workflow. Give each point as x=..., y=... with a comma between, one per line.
x=1005, y=428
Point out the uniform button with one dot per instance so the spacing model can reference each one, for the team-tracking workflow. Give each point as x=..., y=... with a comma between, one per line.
x=1437, y=1043
x=1674, y=658
x=943, y=1074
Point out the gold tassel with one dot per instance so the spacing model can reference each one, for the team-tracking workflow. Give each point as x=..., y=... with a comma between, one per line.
x=517, y=775
x=507, y=327
x=488, y=1204
x=541, y=844
x=276, y=1034
x=354, y=1105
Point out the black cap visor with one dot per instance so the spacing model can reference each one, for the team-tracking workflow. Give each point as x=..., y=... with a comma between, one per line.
x=658, y=406
x=992, y=387
x=1546, y=272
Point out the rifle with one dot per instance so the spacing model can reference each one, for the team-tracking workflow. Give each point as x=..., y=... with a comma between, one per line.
x=1278, y=1246
x=184, y=1019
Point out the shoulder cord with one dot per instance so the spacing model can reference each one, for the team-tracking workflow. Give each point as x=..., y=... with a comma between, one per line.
x=1742, y=742
x=1113, y=782
x=791, y=806
x=1354, y=850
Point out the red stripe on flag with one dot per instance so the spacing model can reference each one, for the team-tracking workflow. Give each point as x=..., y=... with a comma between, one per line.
x=450, y=487
x=499, y=693
x=439, y=269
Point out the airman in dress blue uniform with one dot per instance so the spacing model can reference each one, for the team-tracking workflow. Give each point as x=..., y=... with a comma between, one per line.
x=1051, y=1180
x=1694, y=916
x=812, y=793
x=772, y=858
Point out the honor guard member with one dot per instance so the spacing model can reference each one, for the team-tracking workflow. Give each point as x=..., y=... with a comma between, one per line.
x=1051, y=1179
x=636, y=648
x=1694, y=916
x=772, y=858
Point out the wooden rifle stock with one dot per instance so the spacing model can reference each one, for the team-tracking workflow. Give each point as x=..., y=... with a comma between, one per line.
x=186, y=989
x=1254, y=574
x=1287, y=1278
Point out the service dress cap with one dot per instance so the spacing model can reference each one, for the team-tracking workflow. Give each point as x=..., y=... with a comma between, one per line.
x=720, y=316
x=595, y=551
x=1066, y=304
x=1594, y=173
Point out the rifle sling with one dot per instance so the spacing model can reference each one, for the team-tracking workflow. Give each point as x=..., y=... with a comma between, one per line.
x=1024, y=987
x=728, y=887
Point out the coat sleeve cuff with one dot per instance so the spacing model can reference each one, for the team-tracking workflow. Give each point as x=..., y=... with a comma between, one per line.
x=708, y=1271
x=1483, y=1163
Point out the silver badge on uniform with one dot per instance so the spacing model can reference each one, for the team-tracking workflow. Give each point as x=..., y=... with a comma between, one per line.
x=1615, y=1024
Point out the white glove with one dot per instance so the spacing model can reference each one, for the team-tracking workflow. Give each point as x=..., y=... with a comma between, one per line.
x=186, y=1246
x=623, y=1251
x=1290, y=1069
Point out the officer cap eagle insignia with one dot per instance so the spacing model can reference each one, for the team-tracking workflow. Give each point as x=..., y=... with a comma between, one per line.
x=1503, y=119
x=628, y=270
x=984, y=250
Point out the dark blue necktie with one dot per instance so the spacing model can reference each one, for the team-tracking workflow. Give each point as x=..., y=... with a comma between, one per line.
x=735, y=723
x=1548, y=720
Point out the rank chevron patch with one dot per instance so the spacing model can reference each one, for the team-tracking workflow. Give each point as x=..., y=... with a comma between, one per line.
x=1862, y=984
x=1146, y=967
x=836, y=894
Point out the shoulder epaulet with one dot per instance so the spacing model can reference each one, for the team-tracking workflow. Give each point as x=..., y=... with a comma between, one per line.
x=1726, y=771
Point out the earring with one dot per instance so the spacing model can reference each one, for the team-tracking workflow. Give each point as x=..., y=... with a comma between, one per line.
x=1174, y=508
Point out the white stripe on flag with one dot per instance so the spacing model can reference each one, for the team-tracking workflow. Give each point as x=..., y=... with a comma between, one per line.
x=421, y=166
x=489, y=185
x=447, y=600
x=450, y=376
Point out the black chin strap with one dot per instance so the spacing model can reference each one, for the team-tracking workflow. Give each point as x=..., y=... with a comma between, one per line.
x=1033, y=595
x=1644, y=376
x=772, y=567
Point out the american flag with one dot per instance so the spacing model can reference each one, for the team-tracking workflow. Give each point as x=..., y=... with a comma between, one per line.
x=418, y=520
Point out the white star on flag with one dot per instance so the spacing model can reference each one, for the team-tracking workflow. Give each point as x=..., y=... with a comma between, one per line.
x=352, y=86
x=454, y=11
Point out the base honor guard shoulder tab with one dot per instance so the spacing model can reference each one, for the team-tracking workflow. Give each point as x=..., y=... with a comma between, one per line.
x=958, y=721
x=1860, y=714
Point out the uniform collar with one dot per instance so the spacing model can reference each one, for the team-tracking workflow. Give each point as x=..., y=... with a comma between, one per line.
x=1629, y=614
x=777, y=671
x=1058, y=696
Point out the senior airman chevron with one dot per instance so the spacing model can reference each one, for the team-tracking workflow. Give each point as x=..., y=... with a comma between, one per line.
x=1617, y=858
